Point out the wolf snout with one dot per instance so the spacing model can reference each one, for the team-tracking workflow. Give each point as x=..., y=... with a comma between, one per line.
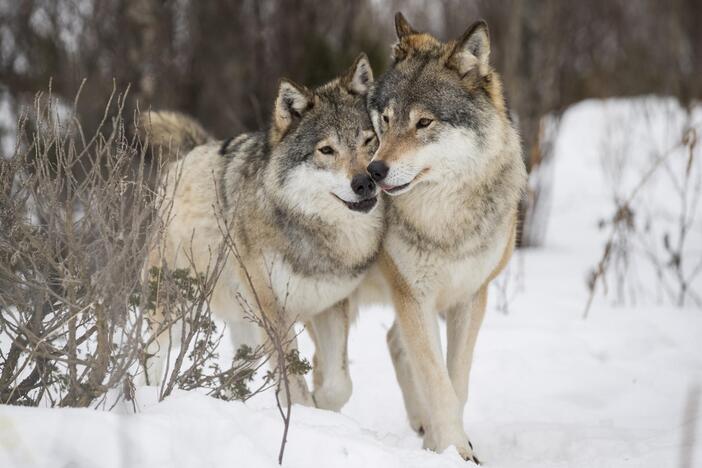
x=378, y=170
x=363, y=185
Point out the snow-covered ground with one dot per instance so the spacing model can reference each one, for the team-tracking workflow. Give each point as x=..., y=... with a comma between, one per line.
x=548, y=389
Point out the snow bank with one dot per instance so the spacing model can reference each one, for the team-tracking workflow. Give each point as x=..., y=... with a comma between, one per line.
x=190, y=430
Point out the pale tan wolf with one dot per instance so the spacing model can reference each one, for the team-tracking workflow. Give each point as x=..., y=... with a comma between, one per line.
x=303, y=213
x=450, y=158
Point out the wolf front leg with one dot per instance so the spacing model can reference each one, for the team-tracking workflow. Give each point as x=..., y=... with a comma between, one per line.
x=463, y=322
x=299, y=392
x=332, y=380
x=280, y=334
x=157, y=352
x=419, y=328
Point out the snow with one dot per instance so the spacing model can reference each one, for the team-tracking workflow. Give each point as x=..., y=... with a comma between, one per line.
x=548, y=388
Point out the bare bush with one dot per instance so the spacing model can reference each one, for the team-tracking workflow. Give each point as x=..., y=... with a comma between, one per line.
x=638, y=235
x=277, y=326
x=79, y=216
x=78, y=314
x=74, y=218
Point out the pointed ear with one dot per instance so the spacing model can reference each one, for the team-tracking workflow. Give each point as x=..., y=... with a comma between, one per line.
x=359, y=77
x=472, y=51
x=402, y=27
x=292, y=102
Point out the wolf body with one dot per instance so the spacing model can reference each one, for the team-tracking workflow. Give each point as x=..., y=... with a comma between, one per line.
x=301, y=210
x=450, y=159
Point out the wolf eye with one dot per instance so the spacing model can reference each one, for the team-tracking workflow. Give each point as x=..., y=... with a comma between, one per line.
x=424, y=123
x=326, y=150
x=369, y=140
x=386, y=119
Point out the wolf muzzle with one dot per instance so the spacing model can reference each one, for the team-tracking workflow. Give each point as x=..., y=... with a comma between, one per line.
x=363, y=186
x=378, y=170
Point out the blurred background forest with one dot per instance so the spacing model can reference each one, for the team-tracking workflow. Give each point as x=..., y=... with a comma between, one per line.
x=220, y=60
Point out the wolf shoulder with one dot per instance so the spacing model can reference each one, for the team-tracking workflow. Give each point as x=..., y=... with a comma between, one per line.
x=211, y=168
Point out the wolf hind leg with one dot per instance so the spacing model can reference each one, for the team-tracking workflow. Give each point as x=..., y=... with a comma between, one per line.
x=403, y=373
x=329, y=331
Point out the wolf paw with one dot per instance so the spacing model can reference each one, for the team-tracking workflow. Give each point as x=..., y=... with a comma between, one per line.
x=299, y=393
x=439, y=441
x=333, y=395
x=469, y=455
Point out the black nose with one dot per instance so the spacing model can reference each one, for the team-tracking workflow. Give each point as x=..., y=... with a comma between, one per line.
x=362, y=185
x=378, y=170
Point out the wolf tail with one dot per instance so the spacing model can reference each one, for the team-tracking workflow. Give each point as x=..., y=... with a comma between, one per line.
x=172, y=133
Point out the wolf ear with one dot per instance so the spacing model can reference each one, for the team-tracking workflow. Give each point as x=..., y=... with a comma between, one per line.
x=472, y=51
x=402, y=27
x=359, y=77
x=292, y=102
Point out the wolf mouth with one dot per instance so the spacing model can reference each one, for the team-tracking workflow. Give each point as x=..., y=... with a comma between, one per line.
x=364, y=206
x=396, y=188
x=391, y=189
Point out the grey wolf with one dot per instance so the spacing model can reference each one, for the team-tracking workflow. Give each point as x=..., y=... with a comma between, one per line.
x=450, y=159
x=301, y=209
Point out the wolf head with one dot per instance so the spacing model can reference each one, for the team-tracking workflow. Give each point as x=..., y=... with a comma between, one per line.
x=321, y=142
x=439, y=110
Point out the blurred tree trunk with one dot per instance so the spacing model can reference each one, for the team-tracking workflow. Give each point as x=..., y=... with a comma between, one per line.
x=530, y=68
x=144, y=24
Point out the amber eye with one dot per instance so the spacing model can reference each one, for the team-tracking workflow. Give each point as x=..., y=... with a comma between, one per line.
x=424, y=123
x=326, y=150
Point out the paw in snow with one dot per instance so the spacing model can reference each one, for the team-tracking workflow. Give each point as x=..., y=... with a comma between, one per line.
x=468, y=454
x=439, y=440
x=333, y=395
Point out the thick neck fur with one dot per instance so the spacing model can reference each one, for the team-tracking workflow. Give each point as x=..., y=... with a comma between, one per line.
x=459, y=216
x=337, y=241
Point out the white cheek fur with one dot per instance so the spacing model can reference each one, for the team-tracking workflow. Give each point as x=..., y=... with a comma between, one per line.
x=309, y=189
x=454, y=154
